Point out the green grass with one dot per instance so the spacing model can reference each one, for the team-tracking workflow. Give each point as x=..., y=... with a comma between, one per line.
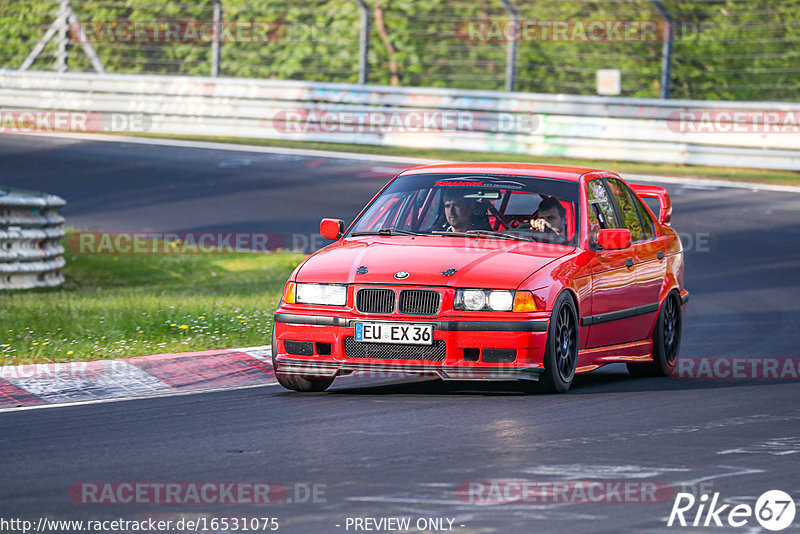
x=765, y=176
x=134, y=305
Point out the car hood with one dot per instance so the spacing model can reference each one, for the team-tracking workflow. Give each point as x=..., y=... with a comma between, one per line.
x=489, y=263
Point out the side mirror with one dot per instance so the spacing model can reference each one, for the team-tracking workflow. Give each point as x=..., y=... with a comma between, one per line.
x=331, y=228
x=614, y=239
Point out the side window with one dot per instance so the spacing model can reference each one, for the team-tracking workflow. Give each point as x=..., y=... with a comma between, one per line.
x=628, y=211
x=647, y=222
x=600, y=209
x=601, y=212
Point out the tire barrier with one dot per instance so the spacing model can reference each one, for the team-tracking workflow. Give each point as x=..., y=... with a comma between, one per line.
x=31, y=254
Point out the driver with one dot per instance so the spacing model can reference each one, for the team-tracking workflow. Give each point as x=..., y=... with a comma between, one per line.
x=550, y=217
x=458, y=211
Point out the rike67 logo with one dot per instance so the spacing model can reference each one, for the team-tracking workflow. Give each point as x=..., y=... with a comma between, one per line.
x=774, y=510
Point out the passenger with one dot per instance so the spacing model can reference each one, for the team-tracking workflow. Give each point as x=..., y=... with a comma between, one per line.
x=550, y=217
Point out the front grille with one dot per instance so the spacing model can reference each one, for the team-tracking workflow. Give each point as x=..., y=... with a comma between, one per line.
x=419, y=302
x=375, y=300
x=392, y=351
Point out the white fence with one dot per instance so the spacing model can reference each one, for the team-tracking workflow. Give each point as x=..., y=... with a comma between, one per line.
x=31, y=254
x=734, y=134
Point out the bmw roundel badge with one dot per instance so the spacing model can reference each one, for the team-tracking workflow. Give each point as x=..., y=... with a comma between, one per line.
x=402, y=275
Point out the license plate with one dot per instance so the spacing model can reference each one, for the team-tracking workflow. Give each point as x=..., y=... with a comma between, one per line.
x=408, y=333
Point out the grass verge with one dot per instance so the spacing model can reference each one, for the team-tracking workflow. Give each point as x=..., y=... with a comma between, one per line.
x=765, y=176
x=133, y=305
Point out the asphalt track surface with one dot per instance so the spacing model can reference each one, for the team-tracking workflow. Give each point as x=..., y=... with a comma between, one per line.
x=402, y=448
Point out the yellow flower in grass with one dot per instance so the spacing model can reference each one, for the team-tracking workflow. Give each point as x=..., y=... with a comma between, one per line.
x=35, y=343
x=173, y=324
x=70, y=352
x=184, y=326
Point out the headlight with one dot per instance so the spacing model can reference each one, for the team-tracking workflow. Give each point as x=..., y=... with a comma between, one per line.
x=484, y=299
x=501, y=300
x=326, y=294
x=473, y=299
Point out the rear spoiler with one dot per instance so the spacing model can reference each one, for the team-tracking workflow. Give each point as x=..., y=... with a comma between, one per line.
x=654, y=191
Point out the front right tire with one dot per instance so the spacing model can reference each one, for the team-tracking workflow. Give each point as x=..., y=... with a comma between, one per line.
x=561, y=351
x=297, y=382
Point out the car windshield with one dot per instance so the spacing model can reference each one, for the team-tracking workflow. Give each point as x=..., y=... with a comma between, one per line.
x=481, y=206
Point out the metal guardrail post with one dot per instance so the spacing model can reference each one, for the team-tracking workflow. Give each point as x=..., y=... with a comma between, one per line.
x=62, y=54
x=31, y=254
x=61, y=20
x=363, y=48
x=66, y=17
x=511, y=54
x=666, y=49
x=216, y=44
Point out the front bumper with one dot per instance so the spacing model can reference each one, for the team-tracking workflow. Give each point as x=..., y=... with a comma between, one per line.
x=527, y=338
x=324, y=369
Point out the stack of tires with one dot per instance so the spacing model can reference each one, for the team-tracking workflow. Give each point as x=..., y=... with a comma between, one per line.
x=31, y=228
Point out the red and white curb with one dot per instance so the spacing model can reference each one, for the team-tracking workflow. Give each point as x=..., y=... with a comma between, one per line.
x=160, y=374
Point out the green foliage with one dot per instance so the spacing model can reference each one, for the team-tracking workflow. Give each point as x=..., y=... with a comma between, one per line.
x=724, y=49
x=135, y=305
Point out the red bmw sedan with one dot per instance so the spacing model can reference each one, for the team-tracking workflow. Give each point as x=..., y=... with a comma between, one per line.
x=486, y=271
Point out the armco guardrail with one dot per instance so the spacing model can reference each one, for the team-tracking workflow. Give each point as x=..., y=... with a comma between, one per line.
x=31, y=254
x=736, y=134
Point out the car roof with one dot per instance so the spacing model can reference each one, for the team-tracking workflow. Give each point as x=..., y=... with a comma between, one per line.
x=559, y=172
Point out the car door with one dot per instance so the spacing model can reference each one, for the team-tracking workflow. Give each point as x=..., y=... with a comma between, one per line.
x=649, y=256
x=648, y=267
x=615, y=293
